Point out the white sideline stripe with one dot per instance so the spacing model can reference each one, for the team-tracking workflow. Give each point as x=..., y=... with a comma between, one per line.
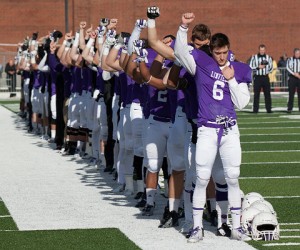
x=5, y=216
x=270, y=177
x=282, y=197
x=282, y=244
x=271, y=151
x=291, y=237
x=272, y=128
x=288, y=224
x=270, y=134
x=267, y=162
x=9, y=230
x=290, y=230
x=270, y=142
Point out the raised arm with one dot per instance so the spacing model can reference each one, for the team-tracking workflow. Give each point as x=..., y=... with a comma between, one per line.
x=182, y=51
x=154, y=42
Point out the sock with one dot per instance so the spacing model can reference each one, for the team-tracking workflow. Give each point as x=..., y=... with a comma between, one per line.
x=150, y=194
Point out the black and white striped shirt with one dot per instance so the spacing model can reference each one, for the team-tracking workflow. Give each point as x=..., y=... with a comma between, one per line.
x=257, y=60
x=293, y=65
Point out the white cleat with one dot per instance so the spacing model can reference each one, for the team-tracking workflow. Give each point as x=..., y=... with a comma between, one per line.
x=239, y=234
x=196, y=235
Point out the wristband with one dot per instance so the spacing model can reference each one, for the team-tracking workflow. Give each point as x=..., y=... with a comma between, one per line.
x=151, y=23
x=90, y=42
x=105, y=51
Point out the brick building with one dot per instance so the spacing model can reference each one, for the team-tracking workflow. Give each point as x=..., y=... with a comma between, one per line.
x=247, y=23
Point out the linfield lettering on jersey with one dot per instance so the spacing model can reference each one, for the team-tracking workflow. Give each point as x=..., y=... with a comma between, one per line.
x=218, y=76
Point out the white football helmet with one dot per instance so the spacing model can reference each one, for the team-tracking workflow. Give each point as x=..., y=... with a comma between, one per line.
x=261, y=206
x=269, y=205
x=253, y=194
x=247, y=217
x=249, y=199
x=265, y=227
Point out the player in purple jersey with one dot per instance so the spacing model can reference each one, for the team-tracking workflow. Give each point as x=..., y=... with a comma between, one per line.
x=223, y=84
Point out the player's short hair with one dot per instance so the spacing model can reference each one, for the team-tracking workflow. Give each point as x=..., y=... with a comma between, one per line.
x=296, y=50
x=219, y=40
x=201, y=32
x=261, y=46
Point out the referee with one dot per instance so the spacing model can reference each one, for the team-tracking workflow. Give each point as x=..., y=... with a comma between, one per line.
x=293, y=68
x=263, y=65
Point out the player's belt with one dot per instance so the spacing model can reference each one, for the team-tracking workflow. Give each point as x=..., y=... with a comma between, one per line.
x=161, y=119
x=222, y=124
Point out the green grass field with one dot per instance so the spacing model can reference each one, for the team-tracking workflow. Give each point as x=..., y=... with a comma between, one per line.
x=270, y=166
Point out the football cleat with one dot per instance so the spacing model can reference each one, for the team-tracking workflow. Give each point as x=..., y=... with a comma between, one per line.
x=138, y=195
x=148, y=210
x=224, y=230
x=239, y=234
x=170, y=219
x=195, y=235
x=119, y=189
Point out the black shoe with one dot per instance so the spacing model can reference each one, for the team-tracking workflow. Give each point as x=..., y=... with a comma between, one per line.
x=108, y=169
x=112, y=171
x=214, y=218
x=138, y=195
x=148, y=210
x=269, y=111
x=289, y=111
x=115, y=176
x=170, y=220
x=141, y=203
x=224, y=230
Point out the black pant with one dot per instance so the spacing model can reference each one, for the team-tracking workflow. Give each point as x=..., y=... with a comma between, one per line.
x=262, y=82
x=293, y=83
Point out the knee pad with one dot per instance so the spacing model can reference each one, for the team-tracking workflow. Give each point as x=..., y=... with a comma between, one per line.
x=232, y=175
x=202, y=183
x=203, y=173
x=153, y=165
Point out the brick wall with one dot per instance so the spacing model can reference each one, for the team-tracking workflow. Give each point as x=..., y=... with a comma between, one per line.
x=247, y=23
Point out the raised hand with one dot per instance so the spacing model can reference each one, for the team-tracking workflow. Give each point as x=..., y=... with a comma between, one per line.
x=101, y=31
x=113, y=24
x=153, y=12
x=82, y=25
x=104, y=22
x=187, y=18
x=141, y=23
x=110, y=37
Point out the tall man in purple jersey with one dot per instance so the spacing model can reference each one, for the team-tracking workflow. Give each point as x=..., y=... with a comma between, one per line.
x=221, y=85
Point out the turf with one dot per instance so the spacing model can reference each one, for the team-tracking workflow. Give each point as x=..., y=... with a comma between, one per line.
x=110, y=238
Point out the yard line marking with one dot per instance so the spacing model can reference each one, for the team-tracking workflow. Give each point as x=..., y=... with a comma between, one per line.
x=290, y=230
x=267, y=162
x=9, y=230
x=288, y=224
x=270, y=134
x=270, y=142
x=270, y=177
x=272, y=128
x=271, y=151
x=281, y=244
x=267, y=122
x=281, y=197
x=5, y=216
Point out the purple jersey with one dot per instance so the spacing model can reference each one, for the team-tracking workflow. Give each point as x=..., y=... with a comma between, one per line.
x=213, y=92
x=123, y=88
x=86, y=78
x=160, y=102
x=99, y=81
x=38, y=79
x=117, y=89
x=67, y=74
x=76, y=80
